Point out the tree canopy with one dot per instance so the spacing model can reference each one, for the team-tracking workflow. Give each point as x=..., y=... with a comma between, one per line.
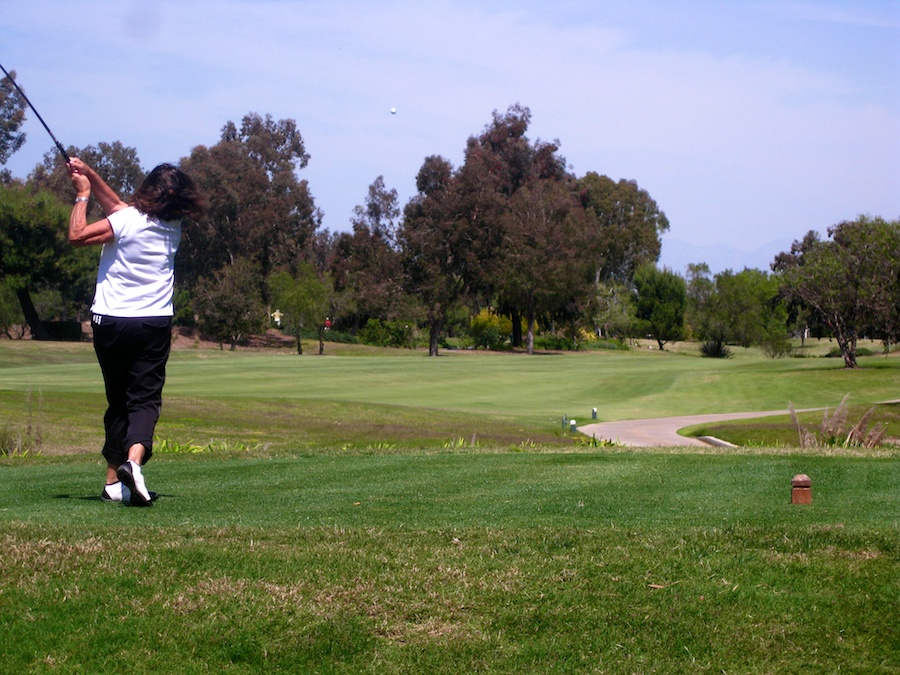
x=258, y=208
x=12, y=116
x=304, y=299
x=368, y=265
x=661, y=297
x=852, y=282
x=511, y=234
x=34, y=252
x=629, y=225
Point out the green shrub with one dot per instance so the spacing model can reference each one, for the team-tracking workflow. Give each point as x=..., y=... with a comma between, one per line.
x=617, y=344
x=775, y=346
x=386, y=333
x=835, y=352
x=715, y=349
x=332, y=335
x=551, y=342
x=488, y=330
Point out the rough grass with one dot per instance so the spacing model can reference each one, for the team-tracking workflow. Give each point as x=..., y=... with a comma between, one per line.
x=72, y=424
x=566, y=600
x=629, y=562
x=781, y=431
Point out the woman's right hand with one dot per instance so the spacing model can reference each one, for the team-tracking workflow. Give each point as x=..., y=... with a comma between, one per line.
x=76, y=165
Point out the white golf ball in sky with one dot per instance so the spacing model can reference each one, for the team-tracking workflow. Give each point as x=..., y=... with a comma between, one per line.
x=393, y=111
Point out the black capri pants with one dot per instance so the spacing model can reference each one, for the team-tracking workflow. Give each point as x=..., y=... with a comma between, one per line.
x=132, y=353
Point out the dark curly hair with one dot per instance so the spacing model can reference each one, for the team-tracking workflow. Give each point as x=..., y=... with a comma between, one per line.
x=168, y=193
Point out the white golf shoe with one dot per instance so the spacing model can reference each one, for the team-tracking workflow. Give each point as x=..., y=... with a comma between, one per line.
x=116, y=492
x=131, y=475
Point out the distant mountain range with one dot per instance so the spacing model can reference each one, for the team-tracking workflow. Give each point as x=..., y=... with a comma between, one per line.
x=678, y=254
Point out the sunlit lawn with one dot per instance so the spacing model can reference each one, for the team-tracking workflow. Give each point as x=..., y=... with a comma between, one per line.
x=378, y=514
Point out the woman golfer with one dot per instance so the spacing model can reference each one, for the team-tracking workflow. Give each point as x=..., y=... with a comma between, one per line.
x=132, y=309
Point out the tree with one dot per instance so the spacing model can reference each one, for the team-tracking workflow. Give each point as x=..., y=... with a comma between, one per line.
x=117, y=164
x=629, y=224
x=12, y=115
x=120, y=168
x=434, y=240
x=614, y=315
x=701, y=320
x=744, y=308
x=12, y=322
x=33, y=247
x=511, y=229
x=661, y=296
x=303, y=300
x=850, y=282
x=749, y=306
x=35, y=252
x=229, y=303
x=258, y=208
x=540, y=270
x=368, y=265
x=502, y=172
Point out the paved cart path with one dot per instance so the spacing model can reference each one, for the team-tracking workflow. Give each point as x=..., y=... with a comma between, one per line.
x=663, y=431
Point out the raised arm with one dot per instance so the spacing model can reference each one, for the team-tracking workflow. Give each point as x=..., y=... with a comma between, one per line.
x=109, y=201
x=80, y=232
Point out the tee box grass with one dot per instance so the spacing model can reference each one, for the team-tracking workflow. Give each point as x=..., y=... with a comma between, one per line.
x=371, y=543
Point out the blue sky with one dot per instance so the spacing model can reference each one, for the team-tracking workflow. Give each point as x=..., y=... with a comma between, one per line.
x=750, y=123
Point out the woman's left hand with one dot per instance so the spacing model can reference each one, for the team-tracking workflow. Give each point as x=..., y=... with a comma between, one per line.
x=79, y=180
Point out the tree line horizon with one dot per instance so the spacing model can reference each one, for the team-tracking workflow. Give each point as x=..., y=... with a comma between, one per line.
x=508, y=249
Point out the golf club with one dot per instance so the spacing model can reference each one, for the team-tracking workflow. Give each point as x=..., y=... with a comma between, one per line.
x=62, y=150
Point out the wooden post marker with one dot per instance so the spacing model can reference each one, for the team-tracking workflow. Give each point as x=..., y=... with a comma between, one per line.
x=801, y=489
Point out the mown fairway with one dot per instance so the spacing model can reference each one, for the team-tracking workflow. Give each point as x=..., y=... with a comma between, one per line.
x=460, y=394
x=351, y=524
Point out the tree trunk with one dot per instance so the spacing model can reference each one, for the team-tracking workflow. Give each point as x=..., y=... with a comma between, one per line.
x=845, y=336
x=516, y=328
x=38, y=331
x=848, y=351
x=434, y=335
x=531, y=332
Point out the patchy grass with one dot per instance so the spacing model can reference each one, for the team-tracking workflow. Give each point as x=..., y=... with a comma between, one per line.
x=627, y=562
x=73, y=424
x=449, y=601
x=373, y=514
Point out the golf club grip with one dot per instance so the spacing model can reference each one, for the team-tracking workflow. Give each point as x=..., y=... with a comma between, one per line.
x=62, y=151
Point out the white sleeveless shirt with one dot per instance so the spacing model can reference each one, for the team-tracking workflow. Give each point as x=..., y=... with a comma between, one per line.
x=136, y=277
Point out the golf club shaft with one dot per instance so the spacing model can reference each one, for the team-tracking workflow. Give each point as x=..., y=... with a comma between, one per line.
x=62, y=150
